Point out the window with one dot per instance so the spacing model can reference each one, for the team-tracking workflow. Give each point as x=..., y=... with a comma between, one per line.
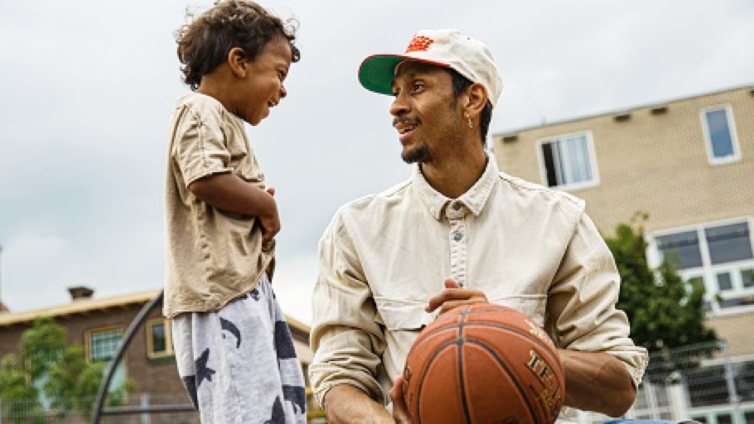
x=720, y=134
x=718, y=255
x=159, y=340
x=709, y=385
x=567, y=161
x=102, y=345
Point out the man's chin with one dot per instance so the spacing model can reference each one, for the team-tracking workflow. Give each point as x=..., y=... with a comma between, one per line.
x=417, y=155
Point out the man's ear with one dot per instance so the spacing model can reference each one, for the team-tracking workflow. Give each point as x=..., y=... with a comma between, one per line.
x=477, y=99
x=238, y=62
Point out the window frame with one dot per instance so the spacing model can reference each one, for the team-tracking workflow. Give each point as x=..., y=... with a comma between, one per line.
x=591, y=157
x=88, y=337
x=169, y=352
x=736, y=156
x=123, y=361
x=708, y=271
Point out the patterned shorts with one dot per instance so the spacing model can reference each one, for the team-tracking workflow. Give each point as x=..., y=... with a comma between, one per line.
x=239, y=364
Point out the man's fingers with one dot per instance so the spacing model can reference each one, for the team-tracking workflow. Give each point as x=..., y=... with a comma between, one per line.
x=451, y=284
x=400, y=413
x=396, y=393
x=447, y=306
x=448, y=295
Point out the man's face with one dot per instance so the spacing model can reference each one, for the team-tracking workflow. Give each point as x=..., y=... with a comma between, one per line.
x=425, y=114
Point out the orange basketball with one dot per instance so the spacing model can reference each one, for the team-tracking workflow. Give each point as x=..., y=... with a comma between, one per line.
x=483, y=363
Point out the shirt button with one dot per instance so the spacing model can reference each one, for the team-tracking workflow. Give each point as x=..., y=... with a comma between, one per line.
x=457, y=206
x=457, y=236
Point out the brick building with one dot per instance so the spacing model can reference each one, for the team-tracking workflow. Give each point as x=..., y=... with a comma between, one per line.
x=149, y=363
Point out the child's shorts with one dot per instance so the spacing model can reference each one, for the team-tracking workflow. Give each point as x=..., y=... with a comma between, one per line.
x=239, y=364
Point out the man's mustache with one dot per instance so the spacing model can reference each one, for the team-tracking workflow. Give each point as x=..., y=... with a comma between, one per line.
x=409, y=121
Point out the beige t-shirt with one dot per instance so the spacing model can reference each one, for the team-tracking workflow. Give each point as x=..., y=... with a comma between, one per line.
x=213, y=256
x=526, y=247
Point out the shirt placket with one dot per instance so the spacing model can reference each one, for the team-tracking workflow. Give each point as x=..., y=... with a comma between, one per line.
x=456, y=213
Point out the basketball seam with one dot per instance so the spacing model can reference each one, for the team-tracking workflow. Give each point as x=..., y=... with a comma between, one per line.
x=424, y=374
x=526, y=335
x=462, y=340
x=495, y=325
x=510, y=374
x=455, y=324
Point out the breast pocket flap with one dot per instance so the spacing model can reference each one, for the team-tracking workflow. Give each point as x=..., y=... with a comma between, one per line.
x=402, y=315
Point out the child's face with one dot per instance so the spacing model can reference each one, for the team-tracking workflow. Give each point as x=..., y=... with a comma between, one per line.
x=262, y=87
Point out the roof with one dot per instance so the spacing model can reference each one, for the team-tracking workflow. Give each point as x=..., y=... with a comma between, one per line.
x=77, y=307
x=88, y=305
x=622, y=111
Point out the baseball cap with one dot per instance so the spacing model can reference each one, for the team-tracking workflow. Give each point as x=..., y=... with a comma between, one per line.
x=447, y=48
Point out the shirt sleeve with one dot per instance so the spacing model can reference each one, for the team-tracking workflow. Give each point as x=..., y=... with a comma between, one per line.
x=581, y=308
x=199, y=147
x=347, y=342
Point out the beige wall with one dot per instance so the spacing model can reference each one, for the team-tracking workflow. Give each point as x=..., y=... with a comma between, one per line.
x=656, y=163
x=736, y=330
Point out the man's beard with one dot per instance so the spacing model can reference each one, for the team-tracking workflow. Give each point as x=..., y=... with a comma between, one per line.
x=420, y=154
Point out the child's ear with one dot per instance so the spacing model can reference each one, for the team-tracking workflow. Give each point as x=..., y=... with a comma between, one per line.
x=238, y=62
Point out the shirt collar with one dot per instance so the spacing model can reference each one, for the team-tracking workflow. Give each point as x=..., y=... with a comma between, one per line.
x=474, y=199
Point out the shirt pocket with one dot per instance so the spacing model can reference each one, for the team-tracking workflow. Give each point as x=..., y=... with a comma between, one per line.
x=531, y=305
x=397, y=314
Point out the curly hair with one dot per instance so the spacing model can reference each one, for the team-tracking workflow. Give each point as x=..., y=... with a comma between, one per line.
x=204, y=43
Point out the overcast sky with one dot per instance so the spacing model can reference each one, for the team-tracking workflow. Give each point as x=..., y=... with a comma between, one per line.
x=87, y=89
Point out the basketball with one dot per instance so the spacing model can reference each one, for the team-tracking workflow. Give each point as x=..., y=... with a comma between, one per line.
x=483, y=363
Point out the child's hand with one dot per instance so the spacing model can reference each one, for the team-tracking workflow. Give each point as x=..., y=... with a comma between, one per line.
x=270, y=223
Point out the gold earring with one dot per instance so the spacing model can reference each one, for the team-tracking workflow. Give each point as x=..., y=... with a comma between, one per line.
x=471, y=124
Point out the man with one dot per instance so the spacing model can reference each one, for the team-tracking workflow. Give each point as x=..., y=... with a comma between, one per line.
x=459, y=232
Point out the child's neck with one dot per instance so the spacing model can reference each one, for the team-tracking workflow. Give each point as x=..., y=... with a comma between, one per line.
x=214, y=85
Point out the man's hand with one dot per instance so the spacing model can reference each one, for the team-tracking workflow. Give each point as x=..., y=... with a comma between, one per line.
x=400, y=411
x=454, y=296
x=270, y=223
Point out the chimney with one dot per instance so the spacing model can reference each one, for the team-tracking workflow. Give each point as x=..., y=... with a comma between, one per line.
x=80, y=293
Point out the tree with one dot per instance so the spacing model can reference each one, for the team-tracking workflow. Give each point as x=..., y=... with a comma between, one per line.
x=48, y=372
x=665, y=312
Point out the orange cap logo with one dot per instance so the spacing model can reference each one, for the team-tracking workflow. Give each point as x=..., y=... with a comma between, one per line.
x=419, y=43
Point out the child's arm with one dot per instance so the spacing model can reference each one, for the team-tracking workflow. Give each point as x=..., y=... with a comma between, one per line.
x=230, y=193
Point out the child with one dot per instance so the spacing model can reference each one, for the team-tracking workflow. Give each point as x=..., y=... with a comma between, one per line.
x=233, y=348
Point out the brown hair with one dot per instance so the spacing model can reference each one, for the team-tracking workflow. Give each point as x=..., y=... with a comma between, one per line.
x=205, y=43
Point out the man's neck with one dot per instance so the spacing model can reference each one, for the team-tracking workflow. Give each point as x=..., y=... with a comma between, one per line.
x=455, y=175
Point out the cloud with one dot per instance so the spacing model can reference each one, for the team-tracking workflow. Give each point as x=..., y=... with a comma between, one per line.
x=88, y=88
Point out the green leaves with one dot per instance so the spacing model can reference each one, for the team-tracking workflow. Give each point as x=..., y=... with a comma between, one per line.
x=664, y=311
x=49, y=371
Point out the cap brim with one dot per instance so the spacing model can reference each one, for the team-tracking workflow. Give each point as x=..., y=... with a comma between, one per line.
x=376, y=72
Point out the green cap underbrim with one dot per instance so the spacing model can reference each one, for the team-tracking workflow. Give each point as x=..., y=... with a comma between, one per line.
x=377, y=72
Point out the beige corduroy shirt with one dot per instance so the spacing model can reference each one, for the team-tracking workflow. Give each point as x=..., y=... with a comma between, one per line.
x=525, y=246
x=213, y=256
